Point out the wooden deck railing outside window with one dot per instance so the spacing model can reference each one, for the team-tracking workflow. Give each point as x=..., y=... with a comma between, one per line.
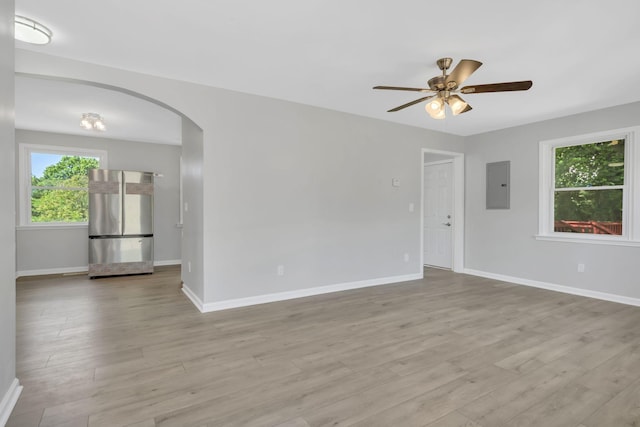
x=590, y=227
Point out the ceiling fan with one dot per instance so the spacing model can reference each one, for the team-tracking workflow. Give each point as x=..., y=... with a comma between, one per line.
x=446, y=87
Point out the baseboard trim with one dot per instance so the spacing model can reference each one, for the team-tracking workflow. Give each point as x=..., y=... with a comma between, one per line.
x=45, y=271
x=557, y=288
x=83, y=269
x=9, y=401
x=167, y=262
x=193, y=298
x=300, y=293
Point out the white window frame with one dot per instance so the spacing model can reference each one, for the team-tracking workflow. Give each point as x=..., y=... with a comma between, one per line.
x=24, y=179
x=631, y=189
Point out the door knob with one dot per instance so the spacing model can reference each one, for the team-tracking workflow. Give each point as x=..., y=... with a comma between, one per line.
x=448, y=224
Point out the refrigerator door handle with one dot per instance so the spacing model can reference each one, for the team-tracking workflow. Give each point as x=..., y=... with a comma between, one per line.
x=122, y=193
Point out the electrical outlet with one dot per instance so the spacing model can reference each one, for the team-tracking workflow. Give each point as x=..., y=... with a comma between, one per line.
x=412, y=207
x=580, y=268
x=281, y=270
x=406, y=257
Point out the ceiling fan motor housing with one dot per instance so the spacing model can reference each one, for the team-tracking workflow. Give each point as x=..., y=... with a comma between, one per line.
x=437, y=83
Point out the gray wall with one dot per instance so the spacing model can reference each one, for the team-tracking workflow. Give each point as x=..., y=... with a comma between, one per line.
x=435, y=157
x=193, y=232
x=39, y=249
x=7, y=225
x=502, y=241
x=288, y=184
x=310, y=189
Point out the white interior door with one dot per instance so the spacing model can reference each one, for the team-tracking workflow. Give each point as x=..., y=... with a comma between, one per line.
x=438, y=214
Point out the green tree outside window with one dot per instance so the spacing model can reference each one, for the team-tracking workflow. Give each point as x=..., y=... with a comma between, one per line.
x=60, y=194
x=589, y=182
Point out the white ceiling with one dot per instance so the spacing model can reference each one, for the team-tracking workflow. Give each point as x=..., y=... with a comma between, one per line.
x=582, y=55
x=56, y=106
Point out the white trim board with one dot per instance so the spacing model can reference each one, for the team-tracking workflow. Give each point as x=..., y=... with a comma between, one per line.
x=193, y=298
x=83, y=269
x=167, y=262
x=299, y=293
x=557, y=288
x=45, y=271
x=9, y=400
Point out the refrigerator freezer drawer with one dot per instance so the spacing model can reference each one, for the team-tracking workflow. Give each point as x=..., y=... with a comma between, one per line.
x=117, y=256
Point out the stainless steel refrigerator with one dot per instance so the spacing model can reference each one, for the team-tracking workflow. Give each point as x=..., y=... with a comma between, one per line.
x=120, y=222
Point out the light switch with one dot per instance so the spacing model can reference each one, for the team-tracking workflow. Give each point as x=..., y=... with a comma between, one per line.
x=395, y=182
x=411, y=207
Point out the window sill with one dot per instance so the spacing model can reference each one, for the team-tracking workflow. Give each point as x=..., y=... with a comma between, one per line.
x=588, y=240
x=32, y=227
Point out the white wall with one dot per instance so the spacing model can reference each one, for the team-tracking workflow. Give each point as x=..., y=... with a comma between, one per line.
x=502, y=241
x=288, y=184
x=38, y=250
x=8, y=390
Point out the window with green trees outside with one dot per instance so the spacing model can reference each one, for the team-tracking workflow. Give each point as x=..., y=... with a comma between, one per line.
x=589, y=188
x=57, y=189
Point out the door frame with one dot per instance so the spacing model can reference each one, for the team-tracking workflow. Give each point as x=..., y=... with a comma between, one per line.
x=457, y=238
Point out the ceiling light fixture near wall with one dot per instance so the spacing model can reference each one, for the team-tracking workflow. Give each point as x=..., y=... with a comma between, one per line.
x=30, y=31
x=92, y=121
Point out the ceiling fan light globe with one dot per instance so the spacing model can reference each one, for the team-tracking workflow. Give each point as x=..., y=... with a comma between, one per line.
x=435, y=109
x=435, y=105
x=440, y=115
x=457, y=105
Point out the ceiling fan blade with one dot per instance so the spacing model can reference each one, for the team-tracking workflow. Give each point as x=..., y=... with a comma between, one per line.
x=409, y=104
x=463, y=70
x=498, y=87
x=412, y=89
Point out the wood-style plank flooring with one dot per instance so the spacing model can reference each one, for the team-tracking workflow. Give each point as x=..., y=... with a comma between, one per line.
x=450, y=350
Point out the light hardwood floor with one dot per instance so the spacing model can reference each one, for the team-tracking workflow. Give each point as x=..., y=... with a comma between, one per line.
x=449, y=350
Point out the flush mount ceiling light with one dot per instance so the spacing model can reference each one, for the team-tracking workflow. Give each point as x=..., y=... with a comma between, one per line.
x=92, y=121
x=30, y=31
